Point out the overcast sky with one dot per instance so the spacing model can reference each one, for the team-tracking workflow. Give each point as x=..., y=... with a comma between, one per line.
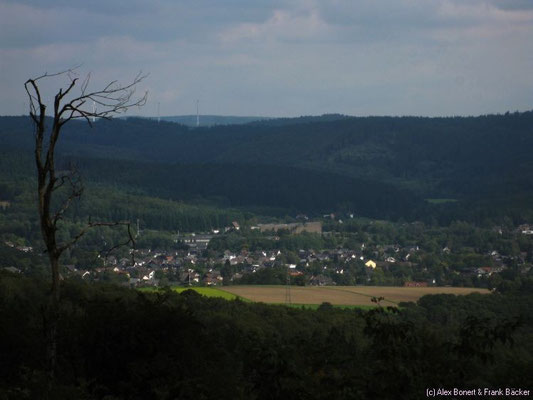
x=281, y=57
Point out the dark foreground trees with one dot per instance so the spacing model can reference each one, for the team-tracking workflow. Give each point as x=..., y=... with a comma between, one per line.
x=74, y=101
x=116, y=343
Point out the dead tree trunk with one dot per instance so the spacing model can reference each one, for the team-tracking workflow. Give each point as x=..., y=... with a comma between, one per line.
x=113, y=99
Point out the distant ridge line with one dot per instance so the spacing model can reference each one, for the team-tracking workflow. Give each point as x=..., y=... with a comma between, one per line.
x=210, y=120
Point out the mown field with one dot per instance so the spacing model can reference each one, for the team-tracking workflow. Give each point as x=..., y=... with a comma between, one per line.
x=342, y=295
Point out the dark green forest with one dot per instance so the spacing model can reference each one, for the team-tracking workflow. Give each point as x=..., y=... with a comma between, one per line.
x=117, y=343
x=379, y=167
x=211, y=120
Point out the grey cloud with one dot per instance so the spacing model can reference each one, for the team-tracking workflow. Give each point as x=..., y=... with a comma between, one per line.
x=281, y=57
x=162, y=20
x=513, y=4
x=222, y=10
x=388, y=18
x=115, y=7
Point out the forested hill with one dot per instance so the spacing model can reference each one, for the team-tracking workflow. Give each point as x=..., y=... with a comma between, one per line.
x=211, y=120
x=480, y=159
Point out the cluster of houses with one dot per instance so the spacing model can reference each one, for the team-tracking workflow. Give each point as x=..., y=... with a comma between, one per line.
x=24, y=249
x=185, y=267
x=193, y=267
x=525, y=229
x=196, y=266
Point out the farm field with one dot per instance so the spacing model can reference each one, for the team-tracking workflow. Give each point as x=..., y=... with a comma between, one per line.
x=342, y=295
x=208, y=292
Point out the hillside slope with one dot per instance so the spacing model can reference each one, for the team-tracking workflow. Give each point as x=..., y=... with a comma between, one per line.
x=380, y=166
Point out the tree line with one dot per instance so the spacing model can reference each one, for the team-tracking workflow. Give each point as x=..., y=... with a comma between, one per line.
x=120, y=343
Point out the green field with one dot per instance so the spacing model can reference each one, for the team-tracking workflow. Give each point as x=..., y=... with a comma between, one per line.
x=208, y=292
x=204, y=291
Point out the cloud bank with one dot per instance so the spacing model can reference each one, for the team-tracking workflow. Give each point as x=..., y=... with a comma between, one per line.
x=281, y=57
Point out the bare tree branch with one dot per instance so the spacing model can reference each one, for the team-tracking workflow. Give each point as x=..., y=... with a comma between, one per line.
x=91, y=225
x=130, y=241
x=113, y=99
x=76, y=191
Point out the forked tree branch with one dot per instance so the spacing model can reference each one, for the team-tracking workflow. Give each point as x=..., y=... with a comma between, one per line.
x=129, y=241
x=90, y=225
x=76, y=190
x=113, y=99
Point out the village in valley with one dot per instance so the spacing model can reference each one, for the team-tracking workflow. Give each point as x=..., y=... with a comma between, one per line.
x=201, y=259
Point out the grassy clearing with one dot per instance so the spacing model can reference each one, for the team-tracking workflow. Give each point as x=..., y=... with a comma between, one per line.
x=204, y=291
x=208, y=292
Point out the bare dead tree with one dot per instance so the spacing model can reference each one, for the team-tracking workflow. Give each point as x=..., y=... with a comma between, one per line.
x=86, y=104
